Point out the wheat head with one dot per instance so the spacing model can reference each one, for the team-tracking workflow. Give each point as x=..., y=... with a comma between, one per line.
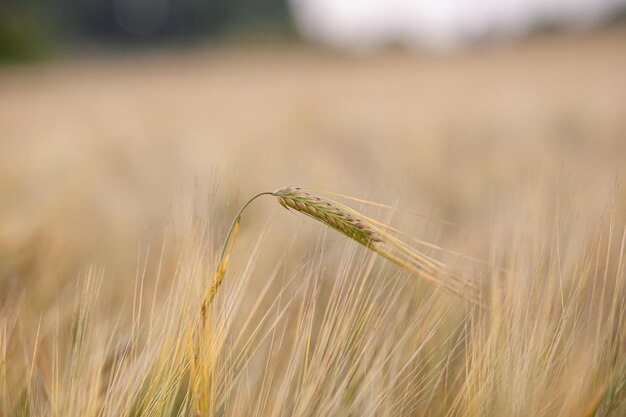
x=379, y=238
x=327, y=212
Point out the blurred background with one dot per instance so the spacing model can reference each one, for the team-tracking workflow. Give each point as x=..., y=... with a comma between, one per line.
x=31, y=29
x=113, y=113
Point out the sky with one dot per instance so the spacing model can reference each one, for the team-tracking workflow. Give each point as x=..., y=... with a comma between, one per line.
x=439, y=24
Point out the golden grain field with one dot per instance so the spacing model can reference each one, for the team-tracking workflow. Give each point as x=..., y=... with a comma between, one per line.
x=119, y=177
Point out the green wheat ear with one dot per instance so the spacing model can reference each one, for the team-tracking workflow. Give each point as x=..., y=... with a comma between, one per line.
x=328, y=213
x=370, y=233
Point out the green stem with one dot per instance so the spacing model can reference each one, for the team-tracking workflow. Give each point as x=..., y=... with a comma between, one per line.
x=232, y=225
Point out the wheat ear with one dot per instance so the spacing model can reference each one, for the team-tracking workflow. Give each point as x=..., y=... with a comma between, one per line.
x=328, y=213
x=377, y=237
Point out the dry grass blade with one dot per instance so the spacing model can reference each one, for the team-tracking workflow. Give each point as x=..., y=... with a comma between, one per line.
x=378, y=238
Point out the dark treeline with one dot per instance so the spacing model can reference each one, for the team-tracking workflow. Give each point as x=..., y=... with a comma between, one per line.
x=29, y=27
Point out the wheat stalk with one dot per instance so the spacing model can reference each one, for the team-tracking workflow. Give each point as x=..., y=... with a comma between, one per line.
x=370, y=233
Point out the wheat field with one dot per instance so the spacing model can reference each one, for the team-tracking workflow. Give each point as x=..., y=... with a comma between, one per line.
x=119, y=178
